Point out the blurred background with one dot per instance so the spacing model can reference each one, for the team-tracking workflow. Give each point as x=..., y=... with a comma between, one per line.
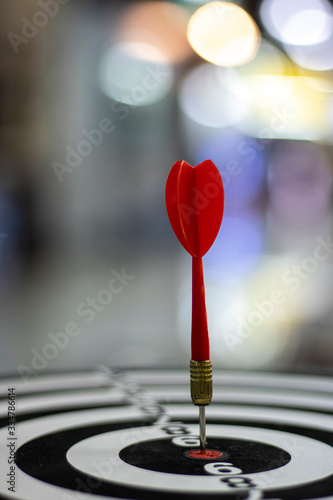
x=98, y=99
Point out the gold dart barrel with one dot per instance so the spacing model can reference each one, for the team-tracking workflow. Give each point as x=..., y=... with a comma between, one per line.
x=201, y=377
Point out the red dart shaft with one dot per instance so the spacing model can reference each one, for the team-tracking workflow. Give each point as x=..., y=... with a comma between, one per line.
x=200, y=338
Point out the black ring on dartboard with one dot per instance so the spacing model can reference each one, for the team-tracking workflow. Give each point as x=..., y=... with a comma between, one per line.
x=249, y=456
x=44, y=458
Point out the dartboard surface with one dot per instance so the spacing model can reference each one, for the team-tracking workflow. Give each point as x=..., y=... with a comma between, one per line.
x=134, y=434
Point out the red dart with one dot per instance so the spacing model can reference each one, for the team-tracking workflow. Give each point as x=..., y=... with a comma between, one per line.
x=195, y=202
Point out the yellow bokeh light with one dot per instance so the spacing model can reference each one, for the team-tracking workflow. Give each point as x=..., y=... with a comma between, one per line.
x=307, y=110
x=223, y=34
x=260, y=79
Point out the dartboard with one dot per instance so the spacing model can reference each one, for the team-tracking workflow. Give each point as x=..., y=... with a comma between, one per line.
x=134, y=435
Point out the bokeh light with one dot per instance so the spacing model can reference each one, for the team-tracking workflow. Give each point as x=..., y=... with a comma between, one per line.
x=281, y=103
x=241, y=165
x=300, y=22
x=317, y=57
x=132, y=73
x=305, y=29
x=223, y=34
x=160, y=24
x=236, y=250
x=205, y=101
x=300, y=181
x=295, y=111
x=242, y=334
x=256, y=81
x=320, y=81
x=249, y=329
x=196, y=2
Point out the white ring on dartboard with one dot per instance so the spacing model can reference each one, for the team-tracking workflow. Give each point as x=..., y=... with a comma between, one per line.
x=105, y=448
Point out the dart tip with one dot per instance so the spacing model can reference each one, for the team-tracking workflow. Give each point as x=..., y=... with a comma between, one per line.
x=202, y=426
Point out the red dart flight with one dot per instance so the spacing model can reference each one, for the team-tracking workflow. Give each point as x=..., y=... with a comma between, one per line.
x=195, y=203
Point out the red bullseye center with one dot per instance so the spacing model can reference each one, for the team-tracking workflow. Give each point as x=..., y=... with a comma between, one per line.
x=205, y=454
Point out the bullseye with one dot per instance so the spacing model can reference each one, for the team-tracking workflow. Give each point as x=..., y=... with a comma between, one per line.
x=204, y=454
